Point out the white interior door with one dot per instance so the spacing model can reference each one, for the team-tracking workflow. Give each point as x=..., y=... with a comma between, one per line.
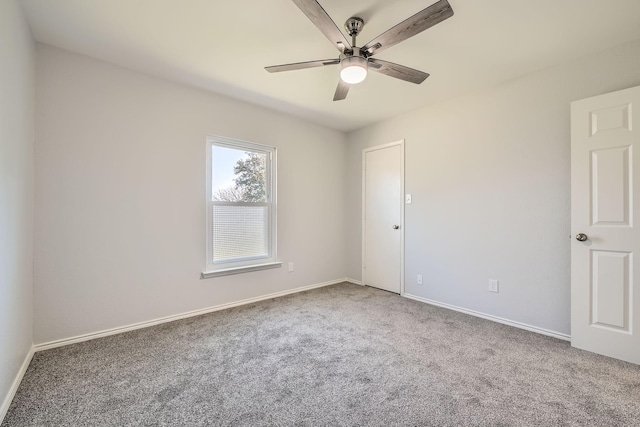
x=605, y=297
x=383, y=168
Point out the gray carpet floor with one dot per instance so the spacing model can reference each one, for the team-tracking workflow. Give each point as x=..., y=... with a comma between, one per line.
x=339, y=355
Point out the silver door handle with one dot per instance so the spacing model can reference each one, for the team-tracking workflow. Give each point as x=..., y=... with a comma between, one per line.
x=395, y=227
x=581, y=237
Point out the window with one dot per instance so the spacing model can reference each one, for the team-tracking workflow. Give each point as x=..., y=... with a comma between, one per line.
x=241, y=207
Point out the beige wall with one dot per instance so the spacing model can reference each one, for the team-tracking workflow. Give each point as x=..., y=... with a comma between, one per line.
x=489, y=175
x=120, y=224
x=17, y=74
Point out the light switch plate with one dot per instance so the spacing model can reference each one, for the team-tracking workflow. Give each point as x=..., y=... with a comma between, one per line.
x=407, y=198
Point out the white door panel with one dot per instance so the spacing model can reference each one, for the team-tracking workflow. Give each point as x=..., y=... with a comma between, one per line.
x=382, y=208
x=605, y=297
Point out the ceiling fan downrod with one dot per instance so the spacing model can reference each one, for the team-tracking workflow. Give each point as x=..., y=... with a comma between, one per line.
x=353, y=26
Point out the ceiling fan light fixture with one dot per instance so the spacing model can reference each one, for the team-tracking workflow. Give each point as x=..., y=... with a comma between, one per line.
x=354, y=69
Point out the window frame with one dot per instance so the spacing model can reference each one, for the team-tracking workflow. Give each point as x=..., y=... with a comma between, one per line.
x=213, y=269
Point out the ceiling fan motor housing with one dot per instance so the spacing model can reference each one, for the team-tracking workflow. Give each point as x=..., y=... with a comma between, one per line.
x=353, y=67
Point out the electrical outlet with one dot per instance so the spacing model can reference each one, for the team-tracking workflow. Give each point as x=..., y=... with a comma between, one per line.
x=419, y=279
x=494, y=285
x=290, y=266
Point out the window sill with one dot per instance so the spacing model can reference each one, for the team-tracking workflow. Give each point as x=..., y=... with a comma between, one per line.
x=239, y=270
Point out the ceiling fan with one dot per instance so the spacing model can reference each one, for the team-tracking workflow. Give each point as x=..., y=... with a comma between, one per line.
x=355, y=61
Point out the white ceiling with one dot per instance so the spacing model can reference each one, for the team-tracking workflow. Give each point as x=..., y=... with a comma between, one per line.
x=224, y=46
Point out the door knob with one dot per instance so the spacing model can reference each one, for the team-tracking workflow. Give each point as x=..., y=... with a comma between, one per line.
x=581, y=237
x=395, y=227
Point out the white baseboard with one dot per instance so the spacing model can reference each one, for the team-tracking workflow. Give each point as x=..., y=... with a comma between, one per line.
x=148, y=323
x=16, y=383
x=497, y=319
x=354, y=281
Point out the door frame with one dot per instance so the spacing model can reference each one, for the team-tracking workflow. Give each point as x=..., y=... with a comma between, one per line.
x=401, y=201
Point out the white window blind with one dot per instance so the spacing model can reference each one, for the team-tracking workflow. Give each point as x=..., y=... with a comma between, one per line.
x=240, y=232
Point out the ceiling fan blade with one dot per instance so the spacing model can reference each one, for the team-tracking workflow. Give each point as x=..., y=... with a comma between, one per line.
x=325, y=24
x=341, y=91
x=419, y=22
x=301, y=65
x=398, y=71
